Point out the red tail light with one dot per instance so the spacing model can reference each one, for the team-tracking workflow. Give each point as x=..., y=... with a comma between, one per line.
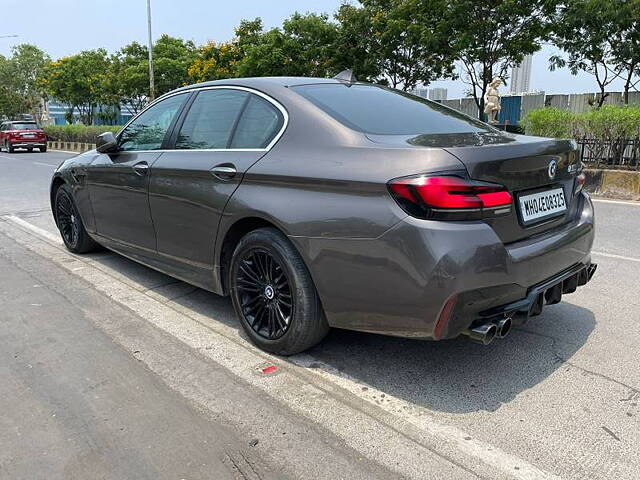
x=450, y=197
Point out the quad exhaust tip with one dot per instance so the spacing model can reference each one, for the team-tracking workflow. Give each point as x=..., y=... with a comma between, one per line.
x=485, y=333
x=503, y=327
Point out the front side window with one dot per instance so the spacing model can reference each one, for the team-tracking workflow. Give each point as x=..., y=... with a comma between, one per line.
x=148, y=130
x=259, y=124
x=379, y=110
x=211, y=119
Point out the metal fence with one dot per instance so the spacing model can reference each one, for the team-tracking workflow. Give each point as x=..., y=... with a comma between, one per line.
x=621, y=154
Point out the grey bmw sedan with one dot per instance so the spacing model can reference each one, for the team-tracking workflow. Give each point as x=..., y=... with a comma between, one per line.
x=318, y=203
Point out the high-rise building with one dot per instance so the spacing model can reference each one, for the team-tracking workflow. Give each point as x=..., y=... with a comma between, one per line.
x=438, y=94
x=521, y=76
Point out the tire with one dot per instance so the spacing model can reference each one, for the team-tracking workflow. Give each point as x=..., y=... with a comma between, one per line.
x=268, y=275
x=30, y=150
x=43, y=149
x=10, y=148
x=68, y=220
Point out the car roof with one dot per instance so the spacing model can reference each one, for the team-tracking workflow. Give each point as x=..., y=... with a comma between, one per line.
x=265, y=82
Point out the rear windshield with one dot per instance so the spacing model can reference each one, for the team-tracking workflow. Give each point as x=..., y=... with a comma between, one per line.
x=23, y=126
x=382, y=111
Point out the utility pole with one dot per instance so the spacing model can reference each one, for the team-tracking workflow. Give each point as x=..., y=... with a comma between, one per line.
x=152, y=86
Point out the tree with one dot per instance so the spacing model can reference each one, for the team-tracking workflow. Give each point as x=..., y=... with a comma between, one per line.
x=172, y=58
x=215, y=61
x=600, y=38
x=354, y=46
x=303, y=47
x=20, y=80
x=625, y=42
x=493, y=36
x=130, y=76
x=407, y=40
x=10, y=101
x=81, y=82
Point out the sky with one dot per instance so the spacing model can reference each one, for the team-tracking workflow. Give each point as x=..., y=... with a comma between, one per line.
x=64, y=27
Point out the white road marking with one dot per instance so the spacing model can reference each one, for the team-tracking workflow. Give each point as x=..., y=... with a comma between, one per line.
x=35, y=229
x=618, y=202
x=310, y=399
x=44, y=164
x=63, y=151
x=619, y=257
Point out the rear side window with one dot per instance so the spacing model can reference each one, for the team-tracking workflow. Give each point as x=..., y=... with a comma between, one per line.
x=259, y=124
x=383, y=111
x=211, y=118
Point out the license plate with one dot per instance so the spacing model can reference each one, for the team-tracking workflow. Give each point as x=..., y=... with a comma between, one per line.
x=28, y=135
x=542, y=205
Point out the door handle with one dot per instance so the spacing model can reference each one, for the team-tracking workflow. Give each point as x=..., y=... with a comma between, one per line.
x=141, y=168
x=224, y=172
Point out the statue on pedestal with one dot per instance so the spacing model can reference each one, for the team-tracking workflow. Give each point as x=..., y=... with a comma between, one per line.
x=492, y=101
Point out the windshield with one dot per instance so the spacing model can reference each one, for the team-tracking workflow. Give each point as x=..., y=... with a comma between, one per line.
x=382, y=111
x=23, y=126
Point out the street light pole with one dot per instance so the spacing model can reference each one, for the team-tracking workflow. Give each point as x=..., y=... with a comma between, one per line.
x=152, y=86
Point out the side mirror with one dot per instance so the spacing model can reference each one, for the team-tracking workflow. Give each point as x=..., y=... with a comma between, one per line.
x=106, y=143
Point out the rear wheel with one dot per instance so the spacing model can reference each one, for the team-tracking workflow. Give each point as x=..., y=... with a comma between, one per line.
x=74, y=236
x=43, y=149
x=274, y=295
x=10, y=148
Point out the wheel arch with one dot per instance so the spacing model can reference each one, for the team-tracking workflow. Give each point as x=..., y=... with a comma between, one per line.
x=232, y=237
x=56, y=183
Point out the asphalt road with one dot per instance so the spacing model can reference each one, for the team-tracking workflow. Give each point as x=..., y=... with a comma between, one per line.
x=111, y=370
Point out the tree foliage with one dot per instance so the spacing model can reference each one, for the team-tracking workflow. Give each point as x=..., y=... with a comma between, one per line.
x=493, y=36
x=21, y=80
x=601, y=38
x=81, y=82
x=408, y=39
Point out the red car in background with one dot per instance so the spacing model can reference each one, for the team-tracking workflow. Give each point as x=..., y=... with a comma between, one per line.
x=22, y=134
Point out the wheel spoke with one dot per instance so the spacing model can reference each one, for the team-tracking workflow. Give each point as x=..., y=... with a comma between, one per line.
x=248, y=270
x=264, y=293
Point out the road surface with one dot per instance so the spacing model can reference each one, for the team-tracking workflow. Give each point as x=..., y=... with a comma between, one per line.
x=112, y=370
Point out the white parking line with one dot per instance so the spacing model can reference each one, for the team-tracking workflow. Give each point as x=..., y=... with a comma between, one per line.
x=44, y=164
x=618, y=202
x=35, y=229
x=318, y=400
x=619, y=257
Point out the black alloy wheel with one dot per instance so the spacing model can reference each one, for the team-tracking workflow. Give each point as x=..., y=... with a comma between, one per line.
x=264, y=292
x=70, y=224
x=68, y=219
x=274, y=295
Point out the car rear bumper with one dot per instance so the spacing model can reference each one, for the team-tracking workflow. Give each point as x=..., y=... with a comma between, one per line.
x=28, y=143
x=399, y=283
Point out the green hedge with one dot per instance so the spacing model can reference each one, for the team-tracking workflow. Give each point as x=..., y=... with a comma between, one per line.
x=78, y=133
x=609, y=122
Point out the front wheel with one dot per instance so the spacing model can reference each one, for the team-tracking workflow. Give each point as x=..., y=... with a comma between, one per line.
x=274, y=295
x=43, y=149
x=74, y=236
x=10, y=148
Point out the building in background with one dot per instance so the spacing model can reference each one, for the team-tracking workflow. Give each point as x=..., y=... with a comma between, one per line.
x=438, y=94
x=57, y=114
x=521, y=76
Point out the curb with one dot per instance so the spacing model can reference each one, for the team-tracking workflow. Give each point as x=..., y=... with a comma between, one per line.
x=618, y=184
x=70, y=147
